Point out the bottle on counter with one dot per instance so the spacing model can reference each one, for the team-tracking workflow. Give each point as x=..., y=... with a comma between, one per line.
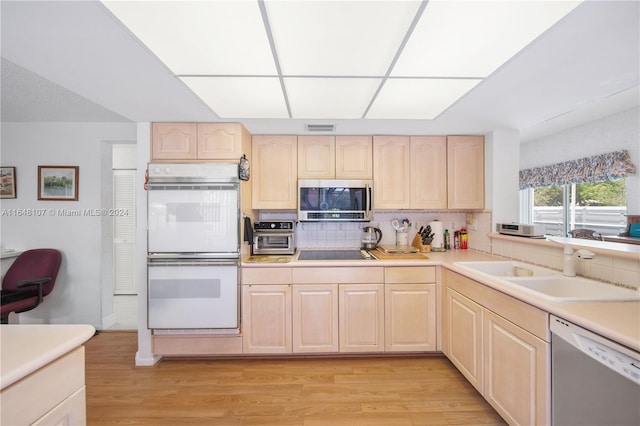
x=456, y=240
x=464, y=243
x=447, y=240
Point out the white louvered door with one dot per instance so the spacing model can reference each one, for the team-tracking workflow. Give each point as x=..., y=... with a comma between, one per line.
x=124, y=229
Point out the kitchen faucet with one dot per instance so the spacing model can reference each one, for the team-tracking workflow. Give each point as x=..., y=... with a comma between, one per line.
x=571, y=258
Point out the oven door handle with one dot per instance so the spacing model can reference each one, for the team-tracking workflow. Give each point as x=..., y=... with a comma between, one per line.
x=191, y=262
x=192, y=186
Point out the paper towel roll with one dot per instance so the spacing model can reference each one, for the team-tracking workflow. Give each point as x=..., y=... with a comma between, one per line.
x=438, y=236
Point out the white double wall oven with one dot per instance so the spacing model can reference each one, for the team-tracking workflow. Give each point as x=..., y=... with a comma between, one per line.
x=193, y=246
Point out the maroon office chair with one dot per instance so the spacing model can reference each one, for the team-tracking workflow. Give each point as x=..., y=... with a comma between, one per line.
x=29, y=279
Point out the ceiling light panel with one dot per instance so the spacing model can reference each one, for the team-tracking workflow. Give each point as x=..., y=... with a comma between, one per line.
x=330, y=97
x=474, y=38
x=240, y=97
x=201, y=37
x=418, y=98
x=338, y=38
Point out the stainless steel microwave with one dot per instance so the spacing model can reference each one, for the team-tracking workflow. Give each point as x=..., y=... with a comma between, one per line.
x=335, y=200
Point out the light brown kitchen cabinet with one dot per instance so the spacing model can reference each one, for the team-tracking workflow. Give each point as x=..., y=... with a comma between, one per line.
x=462, y=335
x=515, y=371
x=54, y=394
x=335, y=157
x=391, y=172
x=465, y=172
x=174, y=141
x=274, y=172
x=512, y=367
x=222, y=141
x=316, y=157
x=315, y=318
x=350, y=314
x=266, y=310
x=354, y=157
x=361, y=317
x=198, y=141
x=266, y=319
x=428, y=172
x=410, y=309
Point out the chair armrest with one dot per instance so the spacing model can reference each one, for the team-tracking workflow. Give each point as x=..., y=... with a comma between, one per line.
x=34, y=282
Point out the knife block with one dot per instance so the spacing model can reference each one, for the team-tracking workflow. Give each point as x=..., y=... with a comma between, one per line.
x=417, y=243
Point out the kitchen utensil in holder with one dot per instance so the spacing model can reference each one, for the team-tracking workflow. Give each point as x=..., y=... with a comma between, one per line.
x=402, y=238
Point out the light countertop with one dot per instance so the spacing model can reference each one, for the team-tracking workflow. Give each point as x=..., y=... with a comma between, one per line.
x=618, y=321
x=25, y=348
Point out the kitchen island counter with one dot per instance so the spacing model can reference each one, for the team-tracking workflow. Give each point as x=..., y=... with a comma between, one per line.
x=42, y=373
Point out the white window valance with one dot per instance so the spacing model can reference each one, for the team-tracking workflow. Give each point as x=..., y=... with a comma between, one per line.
x=599, y=168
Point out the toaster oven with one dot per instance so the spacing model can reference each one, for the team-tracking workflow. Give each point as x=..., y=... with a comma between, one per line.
x=277, y=238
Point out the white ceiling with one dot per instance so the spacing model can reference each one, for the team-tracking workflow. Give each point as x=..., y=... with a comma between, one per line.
x=74, y=61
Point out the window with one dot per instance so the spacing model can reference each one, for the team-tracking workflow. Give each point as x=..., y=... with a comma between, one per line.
x=599, y=206
x=587, y=193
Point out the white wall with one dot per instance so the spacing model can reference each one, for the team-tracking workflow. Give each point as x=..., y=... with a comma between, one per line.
x=613, y=133
x=76, y=298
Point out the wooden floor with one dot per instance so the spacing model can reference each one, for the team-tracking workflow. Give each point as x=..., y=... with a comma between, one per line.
x=310, y=391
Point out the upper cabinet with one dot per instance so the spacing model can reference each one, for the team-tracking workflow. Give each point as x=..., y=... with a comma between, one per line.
x=174, y=141
x=428, y=172
x=354, y=157
x=274, y=172
x=198, y=141
x=316, y=157
x=465, y=172
x=391, y=173
x=335, y=157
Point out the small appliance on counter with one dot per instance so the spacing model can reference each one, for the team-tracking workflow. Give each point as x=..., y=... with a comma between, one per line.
x=371, y=237
x=520, y=230
x=274, y=238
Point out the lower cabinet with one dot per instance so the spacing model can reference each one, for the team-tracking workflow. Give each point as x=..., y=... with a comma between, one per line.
x=266, y=319
x=516, y=372
x=54, y=394
x=266, y=311
x=501, y=345
x=361, y=317
x=462, y=335
x=315, y=318
x=331, y=310
x=410, y=309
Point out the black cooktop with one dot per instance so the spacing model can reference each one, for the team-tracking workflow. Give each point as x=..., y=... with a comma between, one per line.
x=332, y=255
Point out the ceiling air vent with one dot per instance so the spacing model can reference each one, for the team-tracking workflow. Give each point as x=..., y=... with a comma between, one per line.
x=320, y=127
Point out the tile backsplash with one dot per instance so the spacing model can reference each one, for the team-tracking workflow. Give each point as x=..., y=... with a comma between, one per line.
x=349, y=234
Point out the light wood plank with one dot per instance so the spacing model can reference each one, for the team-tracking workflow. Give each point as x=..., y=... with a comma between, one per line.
x=402, y=390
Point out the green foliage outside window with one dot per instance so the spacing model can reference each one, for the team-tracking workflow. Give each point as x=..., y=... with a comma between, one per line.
x=608, y=193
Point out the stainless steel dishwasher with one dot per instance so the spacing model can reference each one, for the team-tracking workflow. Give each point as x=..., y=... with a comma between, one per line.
x=594, y=381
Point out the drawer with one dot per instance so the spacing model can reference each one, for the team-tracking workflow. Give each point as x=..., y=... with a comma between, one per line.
x=338, y=275
x=410, y=275
x=172, y=345
x=27, y=400
x=266, y=276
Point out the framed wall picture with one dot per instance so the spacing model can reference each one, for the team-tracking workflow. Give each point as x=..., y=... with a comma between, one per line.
x=58, y=183
x=8, y=182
